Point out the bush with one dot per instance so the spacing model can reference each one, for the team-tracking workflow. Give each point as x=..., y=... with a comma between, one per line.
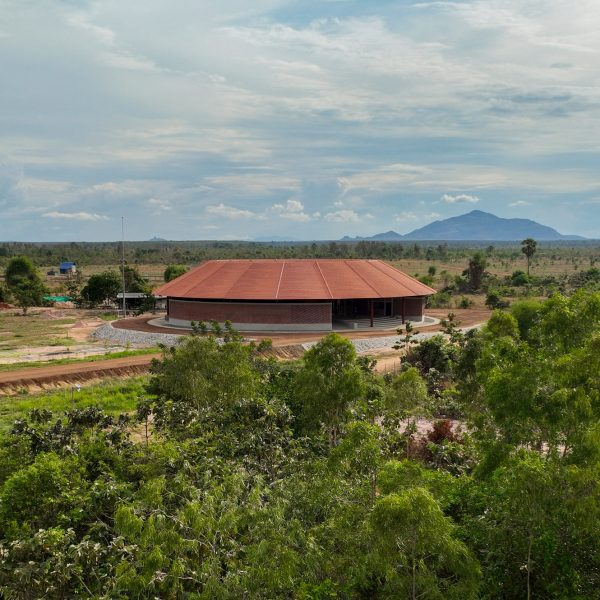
x=439, y=300
x=433, y=353
x=526, y=312
x=464, y=302
x=519, y=278
x=495, y=301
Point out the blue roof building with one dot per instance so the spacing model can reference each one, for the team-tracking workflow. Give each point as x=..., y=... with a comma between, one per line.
x=67, y=267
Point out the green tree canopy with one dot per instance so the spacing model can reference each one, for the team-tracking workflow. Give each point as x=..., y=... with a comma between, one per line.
x=24, y=283
x=174, y=271
x=102, y=287
x=329, y=382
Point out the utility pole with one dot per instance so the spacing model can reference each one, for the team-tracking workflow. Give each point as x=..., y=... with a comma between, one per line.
x=123, y=263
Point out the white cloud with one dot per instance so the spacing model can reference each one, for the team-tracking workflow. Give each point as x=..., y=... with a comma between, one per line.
x=343, y=216
x=231, y=212
x=293, y=210
x=449, y=199
x=75, y=216
x=519, y=203
x=160, y=204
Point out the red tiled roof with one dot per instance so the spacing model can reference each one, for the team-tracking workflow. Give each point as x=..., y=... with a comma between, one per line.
x=295, y=279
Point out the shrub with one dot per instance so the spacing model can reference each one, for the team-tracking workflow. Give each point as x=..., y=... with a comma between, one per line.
x=464, y=302
x=519, y=278
x=439, y=300
x=495, y=301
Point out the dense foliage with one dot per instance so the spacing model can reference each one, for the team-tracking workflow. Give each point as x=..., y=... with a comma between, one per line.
x=23, y=283
x=248, y=478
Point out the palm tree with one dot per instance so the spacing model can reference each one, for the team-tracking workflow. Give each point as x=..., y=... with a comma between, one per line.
x=528, y=248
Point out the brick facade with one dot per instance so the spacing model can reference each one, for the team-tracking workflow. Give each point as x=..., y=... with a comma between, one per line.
x=249, y=315
x=413, y=308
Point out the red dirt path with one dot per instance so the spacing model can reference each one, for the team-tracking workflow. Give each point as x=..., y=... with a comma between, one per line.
x=467, y=318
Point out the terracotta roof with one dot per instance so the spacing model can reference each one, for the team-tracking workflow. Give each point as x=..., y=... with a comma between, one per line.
x=295, y=279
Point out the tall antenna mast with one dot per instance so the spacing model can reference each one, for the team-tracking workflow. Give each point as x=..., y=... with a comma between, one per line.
x=123, y=263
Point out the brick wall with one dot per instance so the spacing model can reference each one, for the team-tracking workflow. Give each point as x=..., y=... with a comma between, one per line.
x=252, y=313
x=413, y=307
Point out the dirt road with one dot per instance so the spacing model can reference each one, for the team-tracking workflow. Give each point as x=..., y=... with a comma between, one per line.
x=50, y=376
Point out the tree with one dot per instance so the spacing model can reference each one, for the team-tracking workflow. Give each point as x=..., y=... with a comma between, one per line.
x=534, y=523
x=407, y=399
x=502, y=324
x=28, y=293
x=329, y=382
x=527, y=313
x=476, y=270
x=528, y=248
x=134, y=282
x=174, y=271
x=102, y=287
x=419, y=553
x=199, y=379
x=73, y=286
x=18, y=269
x=24, y=283
x=435, y=352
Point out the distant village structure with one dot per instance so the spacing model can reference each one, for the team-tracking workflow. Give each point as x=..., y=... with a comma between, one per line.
x=294, y=295
x=67, y=268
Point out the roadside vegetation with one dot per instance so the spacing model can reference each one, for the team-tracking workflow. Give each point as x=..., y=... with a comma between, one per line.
x=232, y=475
x=114, y=396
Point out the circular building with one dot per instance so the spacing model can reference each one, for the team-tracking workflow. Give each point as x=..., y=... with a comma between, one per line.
x=295, y=295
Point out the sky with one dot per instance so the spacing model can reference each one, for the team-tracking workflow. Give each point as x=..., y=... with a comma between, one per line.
x=295, y=119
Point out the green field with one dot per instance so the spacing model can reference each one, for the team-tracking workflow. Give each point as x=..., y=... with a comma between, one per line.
x=114, y=396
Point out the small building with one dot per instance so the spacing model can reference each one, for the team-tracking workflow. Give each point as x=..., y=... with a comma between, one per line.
x=135, y=300
x=67, y=268
x=295, y=294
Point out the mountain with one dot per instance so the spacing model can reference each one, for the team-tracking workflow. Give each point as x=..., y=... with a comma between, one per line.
x=477, y=226
x=388, y=236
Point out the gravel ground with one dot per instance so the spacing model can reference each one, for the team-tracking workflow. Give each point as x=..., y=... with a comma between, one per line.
x=126, y=336
x=377, y=343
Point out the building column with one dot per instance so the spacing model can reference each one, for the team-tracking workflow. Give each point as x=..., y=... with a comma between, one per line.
x=403, y=311
x=371, y=311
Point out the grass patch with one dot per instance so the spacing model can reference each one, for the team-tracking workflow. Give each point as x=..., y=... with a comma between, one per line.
x=69, y=361
x=34, y=329
x=113, y=396
x=108, y=316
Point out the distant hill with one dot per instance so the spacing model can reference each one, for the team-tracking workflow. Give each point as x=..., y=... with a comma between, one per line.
x=476, y=226
x=388, y=236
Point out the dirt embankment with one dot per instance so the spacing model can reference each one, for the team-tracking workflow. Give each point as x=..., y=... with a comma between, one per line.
x=41, y=378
